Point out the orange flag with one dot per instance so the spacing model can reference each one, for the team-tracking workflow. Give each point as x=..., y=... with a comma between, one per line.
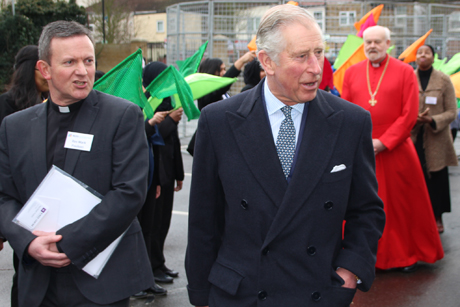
x=410, y=54
x=375, y=11
x=293, y=3
x=355, y=58
x=252, y=44
x=455, y=78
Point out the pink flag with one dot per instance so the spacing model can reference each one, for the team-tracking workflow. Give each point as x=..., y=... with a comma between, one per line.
x=368, y=23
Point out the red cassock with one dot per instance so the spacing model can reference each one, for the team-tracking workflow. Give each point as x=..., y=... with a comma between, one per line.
x=410, y=233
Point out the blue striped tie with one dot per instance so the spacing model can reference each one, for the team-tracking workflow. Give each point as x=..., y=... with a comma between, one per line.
x=285, y=142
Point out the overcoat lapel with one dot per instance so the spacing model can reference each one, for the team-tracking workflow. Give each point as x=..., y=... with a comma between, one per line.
x=253, y=135
x=83, y=124
x=38, y=142
x=318, y=143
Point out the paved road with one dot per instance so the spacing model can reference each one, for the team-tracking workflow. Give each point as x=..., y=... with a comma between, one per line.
x=432, y=285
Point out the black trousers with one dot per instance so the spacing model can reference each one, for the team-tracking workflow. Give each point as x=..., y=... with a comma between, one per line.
x=14, y=288
x=147, y=220
x=62, y=291
x=161, y=223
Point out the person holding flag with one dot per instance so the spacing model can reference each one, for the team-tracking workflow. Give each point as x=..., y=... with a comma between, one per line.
x=387, y=88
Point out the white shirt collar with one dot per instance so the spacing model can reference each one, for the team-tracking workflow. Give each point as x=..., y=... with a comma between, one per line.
x=274, y=104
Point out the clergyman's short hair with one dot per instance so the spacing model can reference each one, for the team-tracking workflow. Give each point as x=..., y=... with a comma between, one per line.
x=60, y=28
x=269, y=35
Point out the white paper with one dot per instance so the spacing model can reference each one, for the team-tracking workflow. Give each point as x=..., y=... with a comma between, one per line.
x=64, y=200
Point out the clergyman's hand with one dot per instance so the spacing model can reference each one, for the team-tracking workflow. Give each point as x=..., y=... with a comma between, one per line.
x=44, y=250
x=378, y=146
x=348, y=277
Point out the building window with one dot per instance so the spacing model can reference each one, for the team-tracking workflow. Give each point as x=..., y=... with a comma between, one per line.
x=160, y=26
x=253, y=24
x=454, y=22
x=319, y=18
x=319, y=14
x=400, y=16
x=347, y=18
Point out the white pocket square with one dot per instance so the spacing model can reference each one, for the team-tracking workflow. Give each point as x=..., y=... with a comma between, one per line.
x=338, y=168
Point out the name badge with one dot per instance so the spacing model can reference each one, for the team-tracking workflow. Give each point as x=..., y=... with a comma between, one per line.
x=78, y=141
x=33, y=214
x=430, y=100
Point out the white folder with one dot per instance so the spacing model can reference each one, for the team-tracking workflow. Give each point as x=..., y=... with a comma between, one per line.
x=59, y=200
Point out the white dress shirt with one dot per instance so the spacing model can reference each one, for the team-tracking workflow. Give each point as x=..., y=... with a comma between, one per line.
x=275, y=115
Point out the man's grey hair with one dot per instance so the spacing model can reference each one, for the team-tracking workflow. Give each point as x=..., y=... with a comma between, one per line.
x=60, y=28
x=385, y=30
x=269, y=35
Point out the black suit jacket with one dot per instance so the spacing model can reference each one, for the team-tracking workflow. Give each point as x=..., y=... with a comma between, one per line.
x=252, y=236
x=116, y=167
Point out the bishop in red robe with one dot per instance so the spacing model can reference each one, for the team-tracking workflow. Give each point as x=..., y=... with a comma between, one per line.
x=388, y=89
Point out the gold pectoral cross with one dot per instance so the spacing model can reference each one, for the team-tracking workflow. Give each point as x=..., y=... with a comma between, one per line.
x=372, y=102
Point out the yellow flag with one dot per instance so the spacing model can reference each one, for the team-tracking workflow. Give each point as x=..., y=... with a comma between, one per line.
x=410, y=54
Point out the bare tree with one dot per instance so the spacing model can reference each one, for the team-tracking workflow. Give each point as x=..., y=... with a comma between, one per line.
x=118, y=20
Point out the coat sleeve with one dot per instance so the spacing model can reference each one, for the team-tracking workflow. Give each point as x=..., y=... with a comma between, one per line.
x=449, y=102
x=365, y=218
x=86, y=238
x=400, y=130
x=205, y=216
x=10, y=200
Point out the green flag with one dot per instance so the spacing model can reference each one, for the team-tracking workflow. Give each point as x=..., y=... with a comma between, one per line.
x=125, y=80
x=352, y=43
x=190, y=65
x=168, y=83
x=437, y=64
x=453, y=66
x=203, y=84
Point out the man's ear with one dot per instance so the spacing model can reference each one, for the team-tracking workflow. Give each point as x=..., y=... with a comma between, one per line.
x=45, y=69
x=267, y=63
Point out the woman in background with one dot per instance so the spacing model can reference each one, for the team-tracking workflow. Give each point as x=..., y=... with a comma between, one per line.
x=27, y=88
x=217, y=68
x=252, y=74
x=431, y=134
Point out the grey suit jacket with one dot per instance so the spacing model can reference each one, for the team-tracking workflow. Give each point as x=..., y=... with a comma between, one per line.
x=116, y=167
x=252, y=236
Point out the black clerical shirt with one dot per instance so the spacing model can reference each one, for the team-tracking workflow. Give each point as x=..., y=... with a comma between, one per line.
x=60, y=121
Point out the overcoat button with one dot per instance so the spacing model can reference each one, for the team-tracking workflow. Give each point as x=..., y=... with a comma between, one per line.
x=311, y=250
x=316, y=296
x=328, y=205
x=262, y=295
x=244, y=204
x=265, y=250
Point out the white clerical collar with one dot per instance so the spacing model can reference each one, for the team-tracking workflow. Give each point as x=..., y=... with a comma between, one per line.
x=273, y=104
x=64, y=109
x=377, y=65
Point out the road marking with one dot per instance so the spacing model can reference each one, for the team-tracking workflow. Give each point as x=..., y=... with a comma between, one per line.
x=180, y=212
